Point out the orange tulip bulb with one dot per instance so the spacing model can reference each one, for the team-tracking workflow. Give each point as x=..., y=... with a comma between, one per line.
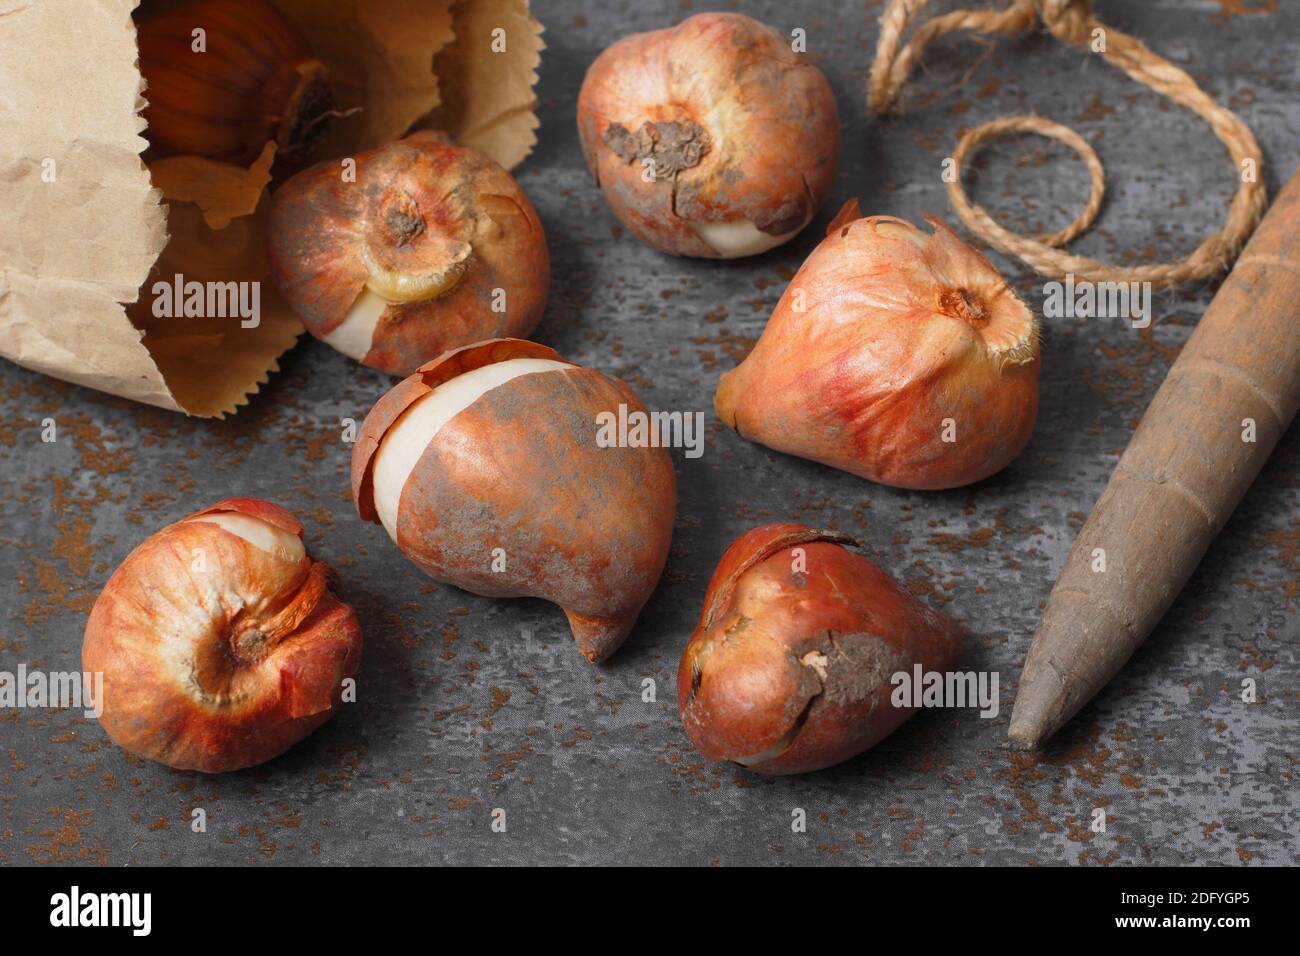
x=220, y=640
x=248, y=79
x=485, y=469
x=431, y=247
x=895, y=354
x=711, y=138
x=790, y=668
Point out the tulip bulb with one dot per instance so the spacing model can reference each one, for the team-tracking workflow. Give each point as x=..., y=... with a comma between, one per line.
x=220, y=641
x=254, y=81
x=429, y=248
x=789, y=669
x=895, y=354
x=712, y=138
x=484, y=469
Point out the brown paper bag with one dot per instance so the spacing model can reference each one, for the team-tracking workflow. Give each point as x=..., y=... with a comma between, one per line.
x=88, y=231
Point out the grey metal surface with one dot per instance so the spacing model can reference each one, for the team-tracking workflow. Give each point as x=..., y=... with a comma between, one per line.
x=469, y=704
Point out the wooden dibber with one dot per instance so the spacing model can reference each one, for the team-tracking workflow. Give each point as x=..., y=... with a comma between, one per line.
x=1184, y=471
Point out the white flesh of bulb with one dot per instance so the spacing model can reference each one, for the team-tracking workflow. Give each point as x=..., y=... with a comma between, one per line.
x=405, y=441
x=355, y=334
x=731, y=240
x=288, y=547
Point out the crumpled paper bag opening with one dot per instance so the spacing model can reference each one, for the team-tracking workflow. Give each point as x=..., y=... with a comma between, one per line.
x=92, y=231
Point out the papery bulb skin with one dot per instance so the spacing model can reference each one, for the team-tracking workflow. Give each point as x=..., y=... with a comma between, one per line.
x=255, y=81
x=790, y=667
x=485, y=469
x=895, y=354
x=432, y=247
x=220, y=641
x=712, y=138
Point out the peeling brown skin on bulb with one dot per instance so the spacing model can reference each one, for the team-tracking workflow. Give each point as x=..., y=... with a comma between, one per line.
x=433, y=230
x=732, y=126
x=585, y=527
x=789, y=668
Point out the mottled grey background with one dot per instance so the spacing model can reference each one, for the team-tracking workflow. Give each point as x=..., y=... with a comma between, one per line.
x=460, y=713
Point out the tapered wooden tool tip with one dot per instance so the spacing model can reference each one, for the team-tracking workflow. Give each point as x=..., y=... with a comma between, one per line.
x=1031, y=717
x=1078, y=648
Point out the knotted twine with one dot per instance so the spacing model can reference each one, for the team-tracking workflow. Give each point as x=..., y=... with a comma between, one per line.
x=1072, y=22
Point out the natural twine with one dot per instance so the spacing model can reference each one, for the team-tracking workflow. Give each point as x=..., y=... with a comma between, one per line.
x=1072, y=22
